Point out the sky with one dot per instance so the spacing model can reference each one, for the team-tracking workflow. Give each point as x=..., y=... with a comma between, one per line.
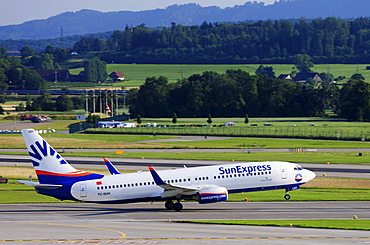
x=20, y=11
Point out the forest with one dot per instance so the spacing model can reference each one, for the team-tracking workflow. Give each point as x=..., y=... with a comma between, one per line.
x=329, y=40
x=237, y=93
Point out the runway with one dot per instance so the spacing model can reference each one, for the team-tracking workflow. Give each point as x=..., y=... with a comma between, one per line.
x=146, y=223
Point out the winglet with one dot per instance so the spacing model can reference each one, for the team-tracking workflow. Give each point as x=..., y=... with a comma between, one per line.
x=112, y=169
x=157, y=179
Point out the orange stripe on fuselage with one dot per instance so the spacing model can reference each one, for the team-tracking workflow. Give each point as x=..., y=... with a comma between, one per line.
x=71, y=174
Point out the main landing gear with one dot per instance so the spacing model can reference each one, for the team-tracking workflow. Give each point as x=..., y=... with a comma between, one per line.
x=170, y=205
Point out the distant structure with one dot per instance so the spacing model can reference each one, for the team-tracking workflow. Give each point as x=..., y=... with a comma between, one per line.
x=117, y=76
x=284, y=77
x=55, y=75
x=302, y=77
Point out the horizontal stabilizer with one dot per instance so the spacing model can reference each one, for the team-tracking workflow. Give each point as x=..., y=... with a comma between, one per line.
x=41, y=186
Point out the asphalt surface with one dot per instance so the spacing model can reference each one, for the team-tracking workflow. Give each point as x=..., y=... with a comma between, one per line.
x=146, y=223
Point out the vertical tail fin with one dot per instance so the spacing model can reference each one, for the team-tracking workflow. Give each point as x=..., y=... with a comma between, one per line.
x=49, y=166
x=112, y=169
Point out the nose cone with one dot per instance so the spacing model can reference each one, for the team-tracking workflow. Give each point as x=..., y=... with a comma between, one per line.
x=309, y=175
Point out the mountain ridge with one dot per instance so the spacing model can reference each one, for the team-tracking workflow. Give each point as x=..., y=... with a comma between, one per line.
x=92, y=21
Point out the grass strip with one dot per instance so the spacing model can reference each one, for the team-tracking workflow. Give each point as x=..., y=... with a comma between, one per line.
x=301, y=157
x=346, y=224
x=120, y=141
x=304, y=194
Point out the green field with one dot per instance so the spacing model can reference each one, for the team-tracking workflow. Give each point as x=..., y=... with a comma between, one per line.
x=347, y=224
x=325, y=128
x=137, y=73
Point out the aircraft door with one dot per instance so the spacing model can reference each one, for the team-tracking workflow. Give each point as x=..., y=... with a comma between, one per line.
x=283, y=172
x=83, y=191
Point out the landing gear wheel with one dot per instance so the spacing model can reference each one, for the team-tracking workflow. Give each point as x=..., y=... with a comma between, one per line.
x=177, y=206
x=287, y=196
x=169, y=205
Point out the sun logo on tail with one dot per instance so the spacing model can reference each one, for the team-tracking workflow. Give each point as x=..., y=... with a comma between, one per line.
x=41, y=151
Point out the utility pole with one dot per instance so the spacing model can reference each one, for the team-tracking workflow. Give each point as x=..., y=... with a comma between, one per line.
x=94, y=101
x=87, y=103
x=116, y=104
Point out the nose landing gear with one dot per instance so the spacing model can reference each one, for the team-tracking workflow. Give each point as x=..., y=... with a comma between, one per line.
x=287, y=196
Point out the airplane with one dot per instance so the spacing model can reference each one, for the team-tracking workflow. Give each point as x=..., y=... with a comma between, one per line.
x=206, y=184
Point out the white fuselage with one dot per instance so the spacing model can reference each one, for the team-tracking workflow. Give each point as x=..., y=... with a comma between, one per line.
x=235, y=177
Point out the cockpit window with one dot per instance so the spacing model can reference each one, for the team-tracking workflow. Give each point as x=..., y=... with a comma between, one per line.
x=298, y=167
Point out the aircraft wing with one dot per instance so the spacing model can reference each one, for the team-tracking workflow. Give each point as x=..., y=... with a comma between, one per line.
x=38, y=185
x=169, y=189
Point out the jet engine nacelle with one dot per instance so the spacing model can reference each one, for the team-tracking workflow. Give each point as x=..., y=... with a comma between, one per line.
x=215, y=194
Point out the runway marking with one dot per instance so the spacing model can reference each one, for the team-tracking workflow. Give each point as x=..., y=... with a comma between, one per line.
x=153, y=240
x=81, y=226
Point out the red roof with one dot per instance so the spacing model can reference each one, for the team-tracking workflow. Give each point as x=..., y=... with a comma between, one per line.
x=117, y=74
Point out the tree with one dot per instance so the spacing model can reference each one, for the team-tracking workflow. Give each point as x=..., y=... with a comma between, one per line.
x=303, y=63
x=355, y=100
x=20, y=107
x=95, y=70
x=152, y=99
x=138, y=119
x=246, y=119
x=42, y=102
x=357, y=76
x=64, y=103
x=266, y=70
x=49, y=49
x=26, y=52
x=3, y=53
x=209, y=120
x=92, y=118
x=174, y=118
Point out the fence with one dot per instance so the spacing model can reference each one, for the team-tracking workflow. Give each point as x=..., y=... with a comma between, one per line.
x=265, y=131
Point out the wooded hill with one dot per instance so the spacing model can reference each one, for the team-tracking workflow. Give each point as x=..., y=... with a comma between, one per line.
x=90, y=21
x=330, y=40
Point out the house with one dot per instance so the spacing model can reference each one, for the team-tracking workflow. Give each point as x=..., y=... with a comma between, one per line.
x=117, y=76
x=55, y=75
x=302, y=77
x=284, y=77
